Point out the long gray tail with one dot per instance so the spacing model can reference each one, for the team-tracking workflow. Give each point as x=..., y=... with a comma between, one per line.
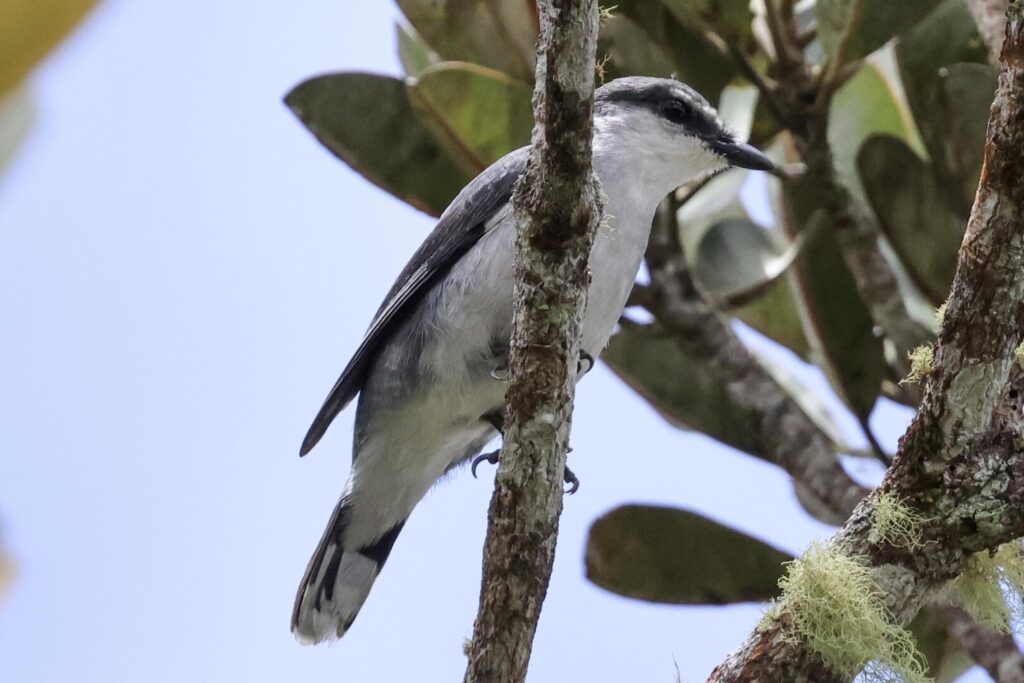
x=337, y=580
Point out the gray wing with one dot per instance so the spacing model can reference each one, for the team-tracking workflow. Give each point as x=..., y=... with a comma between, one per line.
x=459, y=228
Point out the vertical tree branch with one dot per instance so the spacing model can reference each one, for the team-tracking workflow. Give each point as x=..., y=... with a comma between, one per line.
x=557, y=207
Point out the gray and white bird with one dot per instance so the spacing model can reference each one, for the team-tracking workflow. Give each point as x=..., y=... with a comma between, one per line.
x=428, y=371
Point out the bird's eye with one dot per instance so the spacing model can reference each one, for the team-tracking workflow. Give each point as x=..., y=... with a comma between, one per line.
x=675, y=111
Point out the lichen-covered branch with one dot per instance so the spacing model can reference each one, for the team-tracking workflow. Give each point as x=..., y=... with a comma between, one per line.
x=990, y=15
x=557, y=207
x=960, y=466
x=787, y=435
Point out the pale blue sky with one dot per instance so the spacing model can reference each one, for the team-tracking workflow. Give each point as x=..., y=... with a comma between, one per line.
x=183, y=272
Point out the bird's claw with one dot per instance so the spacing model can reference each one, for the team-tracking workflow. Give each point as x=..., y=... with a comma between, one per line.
x=572, y=480
x=568, y=477
x=584, y=358
x=491, y=457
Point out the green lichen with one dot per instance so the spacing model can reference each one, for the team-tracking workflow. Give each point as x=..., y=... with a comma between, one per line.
x=940, y=317
x=991, y=588
x=895, y=523
x=1018, y=354
x=836, y=607
x=606, y=13
x=921, y=360
x=599, y=69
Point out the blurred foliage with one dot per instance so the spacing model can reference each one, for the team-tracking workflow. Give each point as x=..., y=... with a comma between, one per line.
x=905, y=128
x=6, y=572
x=29, y=29
x=645, y=552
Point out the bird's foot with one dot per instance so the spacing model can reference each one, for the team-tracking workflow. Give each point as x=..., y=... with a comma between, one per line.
x=568, y=476
x=583, y=366
x=491, y=457
x=585, y=363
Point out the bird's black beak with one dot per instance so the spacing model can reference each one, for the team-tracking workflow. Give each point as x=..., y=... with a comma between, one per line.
x=743, y=155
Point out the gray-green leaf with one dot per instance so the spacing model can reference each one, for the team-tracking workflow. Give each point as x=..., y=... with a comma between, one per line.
x=477, y=114
x=499, y=34
x=676, y=556
x=945, y=37
x=859, y=27
x=925, y=233
x=367, y=122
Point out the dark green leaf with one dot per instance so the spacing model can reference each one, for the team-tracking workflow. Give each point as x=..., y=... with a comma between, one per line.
x=866, y=105
x=367, y=122
x=774, y=314
x=685, y=390
x=693, y=57
x=478, y=114
x=837, y=323
x=969, y=90
x=731, y=19
x=679, y=557
x=869, y=23
x=924, y=232
x=497, y=34
x=945, y=37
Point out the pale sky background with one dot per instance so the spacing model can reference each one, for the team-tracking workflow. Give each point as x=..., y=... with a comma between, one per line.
x=183, y=273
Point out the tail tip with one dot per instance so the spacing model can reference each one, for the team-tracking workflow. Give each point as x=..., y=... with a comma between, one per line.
x=328, y=603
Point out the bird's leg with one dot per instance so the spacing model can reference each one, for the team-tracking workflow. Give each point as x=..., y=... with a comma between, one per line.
x=496, y=420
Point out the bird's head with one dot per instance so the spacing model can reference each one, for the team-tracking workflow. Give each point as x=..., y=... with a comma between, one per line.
x=667, y=131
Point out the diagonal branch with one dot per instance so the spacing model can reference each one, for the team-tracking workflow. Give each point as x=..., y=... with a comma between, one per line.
x=788, y=436
x=995, y=652
x=557, y=207
x=959, y=464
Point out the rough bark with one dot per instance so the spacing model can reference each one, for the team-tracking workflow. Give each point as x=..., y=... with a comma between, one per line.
x=990, y=15
x=789, y=437
x=557, y=207
x=960, y=463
